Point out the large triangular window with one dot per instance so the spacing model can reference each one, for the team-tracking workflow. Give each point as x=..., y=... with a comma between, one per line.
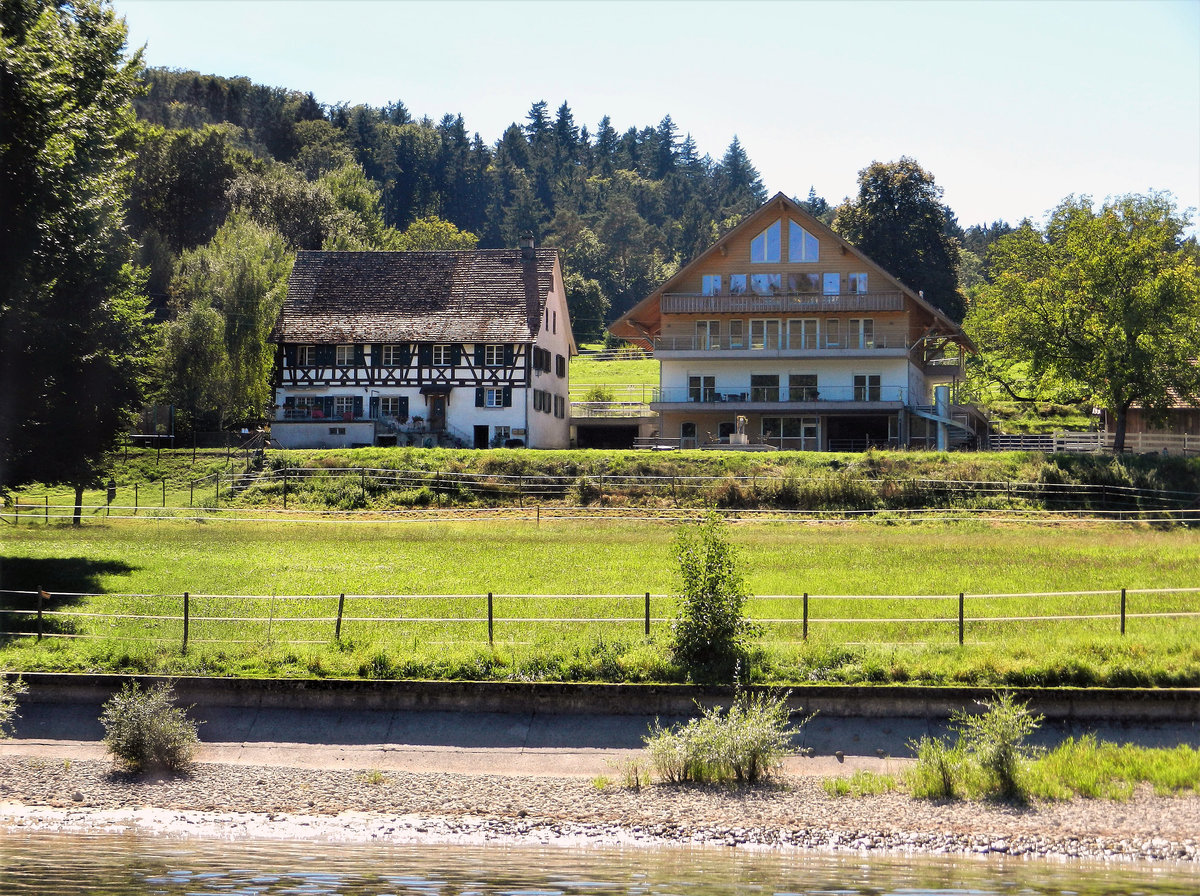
x=802, y=245
x=764, y=248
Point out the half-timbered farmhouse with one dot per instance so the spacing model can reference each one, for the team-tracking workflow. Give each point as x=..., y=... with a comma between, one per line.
x=783, y=335
x=466, y=348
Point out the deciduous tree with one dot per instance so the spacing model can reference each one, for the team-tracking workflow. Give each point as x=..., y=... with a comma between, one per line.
x=1107, y=300
x=73, y=327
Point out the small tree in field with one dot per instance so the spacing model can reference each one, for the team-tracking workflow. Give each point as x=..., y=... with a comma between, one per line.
x=711, y=630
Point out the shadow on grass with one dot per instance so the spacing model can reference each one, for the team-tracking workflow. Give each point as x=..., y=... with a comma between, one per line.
x=64, y=578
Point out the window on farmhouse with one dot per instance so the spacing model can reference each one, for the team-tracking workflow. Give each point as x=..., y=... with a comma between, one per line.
x=306, y=356
x=804, y=283
x=393, y=356
x=441, y=356
x=764, y=248
x=393, y=406
x=802, y=245
x=493, y=398
x=345, y=356
x=736, y=340
x=343, y=406
x=833, y=284
x=862, y=333
x=764, y=387
x=737, y=284
x=766, y=284
x=710, y=284
x=802, y=387
x=857, y=283
x=866, y=387
x=493, y=355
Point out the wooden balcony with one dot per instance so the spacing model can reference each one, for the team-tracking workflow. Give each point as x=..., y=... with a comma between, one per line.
x=781, y=303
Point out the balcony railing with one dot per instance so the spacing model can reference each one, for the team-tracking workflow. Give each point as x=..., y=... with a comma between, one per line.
x=771, y=343
x=781, y=302
x=609, y=409
x=726, y=395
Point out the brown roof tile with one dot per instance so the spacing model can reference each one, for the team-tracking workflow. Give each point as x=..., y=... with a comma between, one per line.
x=485, y=295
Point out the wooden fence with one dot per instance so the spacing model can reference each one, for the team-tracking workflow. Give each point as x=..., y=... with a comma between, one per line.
x=188, y=619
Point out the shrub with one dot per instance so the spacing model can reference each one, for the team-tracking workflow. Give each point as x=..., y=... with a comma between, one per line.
x=744, y=744
x=711, y=631
x=939, y=770
x=9, y=692
x=996, y=741
x=144, y=729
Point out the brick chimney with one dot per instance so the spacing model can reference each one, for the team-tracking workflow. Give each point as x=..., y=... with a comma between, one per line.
x=526, y=243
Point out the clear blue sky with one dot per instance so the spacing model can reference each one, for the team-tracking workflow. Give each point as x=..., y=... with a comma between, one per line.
x=1011, y=105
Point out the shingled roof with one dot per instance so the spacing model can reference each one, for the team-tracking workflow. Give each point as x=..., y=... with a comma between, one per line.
x=485, y=295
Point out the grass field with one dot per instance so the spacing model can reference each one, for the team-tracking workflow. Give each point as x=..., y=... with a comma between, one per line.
x=141, y=569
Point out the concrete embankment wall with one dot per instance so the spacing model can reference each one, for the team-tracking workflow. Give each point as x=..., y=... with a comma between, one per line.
x=932, y=703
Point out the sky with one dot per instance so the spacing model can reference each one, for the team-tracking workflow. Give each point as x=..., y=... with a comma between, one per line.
x=1010, y=105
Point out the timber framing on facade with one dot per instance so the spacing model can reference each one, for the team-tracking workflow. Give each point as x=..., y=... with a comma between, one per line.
x=783, y=335
x=466, y=348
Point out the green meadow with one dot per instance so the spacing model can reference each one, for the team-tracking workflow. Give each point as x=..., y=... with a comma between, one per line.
x=568, y=600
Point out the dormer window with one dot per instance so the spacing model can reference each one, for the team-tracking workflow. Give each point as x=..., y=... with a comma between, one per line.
x=764, y=248
x=802, y=245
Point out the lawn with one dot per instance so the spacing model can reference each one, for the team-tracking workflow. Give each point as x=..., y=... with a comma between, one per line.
x=141, y=569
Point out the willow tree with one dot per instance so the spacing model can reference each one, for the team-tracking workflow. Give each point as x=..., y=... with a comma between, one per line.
x=1107, y=301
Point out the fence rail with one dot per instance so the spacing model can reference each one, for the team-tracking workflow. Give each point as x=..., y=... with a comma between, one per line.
x=323, y=619
x=1096, y=442
x=393, y=492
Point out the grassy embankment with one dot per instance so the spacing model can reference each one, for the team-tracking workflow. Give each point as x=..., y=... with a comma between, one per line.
x=142, y=568
x=872, y=481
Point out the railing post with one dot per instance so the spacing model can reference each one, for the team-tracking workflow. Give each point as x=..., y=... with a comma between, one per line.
x=164, y=500
x=961, y=625
x=285, y=484
x=337, y=629
x=647, y=613
x=1122, y=611
x=191, y=493
x=41, y=595
x=490, y=619
x=217, y=495
x=135, y=497
x=47, y=497
x=185, y=621
x=805, y=629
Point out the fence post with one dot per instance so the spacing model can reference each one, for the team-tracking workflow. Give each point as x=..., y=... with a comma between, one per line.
x=135, y=497
x=537, y=516
x=185, y=621
x=520, y=489
x=217, y=496
x=337, y=629
x=285, y=482
x=191, y=493
x=490, y=618
x=362, y=484
x=961, y=602
x=16, y=511
x=164, y=501
x=647, y=613
x=1122, y=611
x=47, y=497
x=41, y=593
x=601, y=488
x=805, y=629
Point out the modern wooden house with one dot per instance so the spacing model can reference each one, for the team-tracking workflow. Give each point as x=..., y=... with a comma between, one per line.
x=466, y=348
x=783, y=335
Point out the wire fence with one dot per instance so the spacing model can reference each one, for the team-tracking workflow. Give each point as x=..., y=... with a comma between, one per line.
x=191, y=619
x=416, y=494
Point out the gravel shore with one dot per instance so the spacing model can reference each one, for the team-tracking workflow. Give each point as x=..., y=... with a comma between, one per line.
x=219, y=800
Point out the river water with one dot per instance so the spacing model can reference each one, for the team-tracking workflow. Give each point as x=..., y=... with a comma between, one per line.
x=133, y=865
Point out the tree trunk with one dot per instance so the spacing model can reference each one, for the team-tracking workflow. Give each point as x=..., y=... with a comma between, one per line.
x=75, y=517
x=1122, y=414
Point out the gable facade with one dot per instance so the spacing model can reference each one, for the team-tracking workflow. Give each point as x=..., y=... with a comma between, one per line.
x=465, y=349
x=786, y=325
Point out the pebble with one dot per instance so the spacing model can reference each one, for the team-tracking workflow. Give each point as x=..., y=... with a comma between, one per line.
x=794, y=813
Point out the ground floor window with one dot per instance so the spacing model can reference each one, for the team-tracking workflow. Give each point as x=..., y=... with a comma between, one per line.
x=343, y=406
x=393, y=406
x=493, y=398
x=794, y=433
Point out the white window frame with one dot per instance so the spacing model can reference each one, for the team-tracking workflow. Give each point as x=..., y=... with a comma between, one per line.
x=441, y=354
x=501, y=434
x=493, y=356
x=710, y=285
x=802, y=245
x=343, y=405
x=493, y=397
x=862, y=333
x=344, y=354
x=857, y=283
x=764, y=248
x=764, y=333
x=737, y=284
x=803, y=333
x=389, y=405
x=708, y=334
x=392, y=355
x=306, y=356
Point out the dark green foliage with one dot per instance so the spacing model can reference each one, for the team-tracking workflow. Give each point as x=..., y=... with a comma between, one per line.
x=73, y=334
x=711, y=633
x=144, y=729
x=898, y=219
x=9, y=692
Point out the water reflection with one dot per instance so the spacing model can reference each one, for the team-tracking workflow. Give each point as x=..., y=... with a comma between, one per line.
x=125, y=865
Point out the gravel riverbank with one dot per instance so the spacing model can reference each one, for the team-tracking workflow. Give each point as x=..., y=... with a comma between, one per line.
x=218, y=800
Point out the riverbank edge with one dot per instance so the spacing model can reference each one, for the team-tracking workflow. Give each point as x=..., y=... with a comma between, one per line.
x=324, y=805
x=838, y=701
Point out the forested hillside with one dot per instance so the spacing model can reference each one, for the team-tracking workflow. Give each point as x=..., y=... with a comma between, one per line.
x=232, y=177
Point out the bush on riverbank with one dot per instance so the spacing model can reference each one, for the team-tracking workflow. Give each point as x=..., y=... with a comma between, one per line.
x=144, y=729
